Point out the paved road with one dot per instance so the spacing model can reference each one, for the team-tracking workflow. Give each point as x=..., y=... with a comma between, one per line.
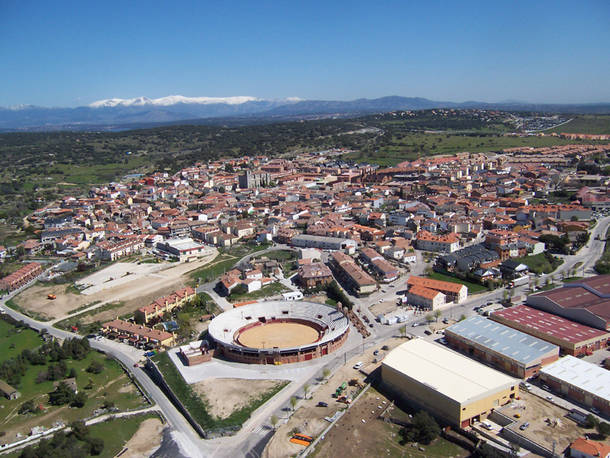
x=250, y=436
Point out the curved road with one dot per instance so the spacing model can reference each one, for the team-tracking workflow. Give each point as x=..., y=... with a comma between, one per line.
x=191, y=444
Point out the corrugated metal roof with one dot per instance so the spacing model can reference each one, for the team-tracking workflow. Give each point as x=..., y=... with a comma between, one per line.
x=509, y=342
x=581, y=374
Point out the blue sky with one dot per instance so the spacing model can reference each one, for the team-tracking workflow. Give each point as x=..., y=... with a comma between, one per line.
x=60, y=53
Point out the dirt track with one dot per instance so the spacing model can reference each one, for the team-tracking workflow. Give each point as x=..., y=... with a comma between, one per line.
x=139, y=291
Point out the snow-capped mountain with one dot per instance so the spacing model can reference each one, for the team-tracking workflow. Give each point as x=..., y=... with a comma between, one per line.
x=117, y=114
x=176, y=99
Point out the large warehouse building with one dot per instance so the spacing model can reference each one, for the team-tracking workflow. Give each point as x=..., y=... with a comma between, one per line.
x=581, y=381
x=512, y=351
x=573, y=338
x=449, y=385
x=586, y=301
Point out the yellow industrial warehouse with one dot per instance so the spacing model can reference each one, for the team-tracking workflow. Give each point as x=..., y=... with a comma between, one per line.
x=447, y=384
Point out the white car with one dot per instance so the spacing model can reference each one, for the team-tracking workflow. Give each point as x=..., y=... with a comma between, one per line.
x=358, y=365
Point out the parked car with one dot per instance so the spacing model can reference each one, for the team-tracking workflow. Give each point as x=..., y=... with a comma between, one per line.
x=322, y=404
x=549, y=398
x=524, y=426
x=358, y=365
x=486, y=425
x=376, y=352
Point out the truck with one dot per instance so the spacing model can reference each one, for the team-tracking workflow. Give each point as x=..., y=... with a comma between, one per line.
x=519, y=281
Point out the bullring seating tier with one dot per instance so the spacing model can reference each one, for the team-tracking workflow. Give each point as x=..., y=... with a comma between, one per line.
x=332, y=323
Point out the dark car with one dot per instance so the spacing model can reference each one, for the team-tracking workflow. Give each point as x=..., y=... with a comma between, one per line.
x=322, y=404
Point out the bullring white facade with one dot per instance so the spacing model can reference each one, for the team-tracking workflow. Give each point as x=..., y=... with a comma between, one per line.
x=330, y=323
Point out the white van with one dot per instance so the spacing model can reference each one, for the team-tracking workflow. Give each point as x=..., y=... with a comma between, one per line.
x=487, y=425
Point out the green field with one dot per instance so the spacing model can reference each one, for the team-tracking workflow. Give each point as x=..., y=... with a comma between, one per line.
x=117, y=432
x=540, y=264
x=14, y=340
x=473, y=288
x=413, y=146
x=586, y=124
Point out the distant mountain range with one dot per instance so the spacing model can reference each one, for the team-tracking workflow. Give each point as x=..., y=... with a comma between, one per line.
x=119, y=114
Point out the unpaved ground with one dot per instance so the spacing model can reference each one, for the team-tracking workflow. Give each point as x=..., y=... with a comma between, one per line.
x=309, y=418
x=278, y=335
x=138, y=291
x=383, y=308
x=360, y=432
x=536, y=411
x=146, y=440
x=226, y=395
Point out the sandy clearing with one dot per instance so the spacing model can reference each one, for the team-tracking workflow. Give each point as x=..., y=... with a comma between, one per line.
x=226, y=395
x=138, y=291
x=146, y=439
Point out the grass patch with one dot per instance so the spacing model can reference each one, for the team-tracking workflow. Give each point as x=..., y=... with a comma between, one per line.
x=473, y=288
x=266, y=291
x=279, y=255
x=412, y=146
x=14, y=340
x=542, y=263
x=105, y=387
x=117, y=432
x=586, y=124
x=77, y=320
x=197, y=407
x=571, y=279
x=221, y=264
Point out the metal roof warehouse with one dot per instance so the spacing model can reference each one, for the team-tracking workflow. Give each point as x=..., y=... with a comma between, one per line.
x=582, y=381
x=510, y=350
x=573, y=338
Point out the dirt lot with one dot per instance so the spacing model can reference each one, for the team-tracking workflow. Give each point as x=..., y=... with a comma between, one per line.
x=138, y=291
x=536, y=411
x=146, y=439
x=383, y=308
x=309, y=418
x=226, y=395
x=361, y=433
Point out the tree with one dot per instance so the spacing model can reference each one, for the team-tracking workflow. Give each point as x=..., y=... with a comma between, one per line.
x=403, y=331
x=603, y=429
x=423, y=428
x=95, y=367
x=429, y=318
x=273, y=420
x=293, y=402
x=96, y=445
x=462, y=317
x=79, y=399
x=326, y=373
x=27, y=407
x=63, y=394
x=437, y=315
x=306, y=387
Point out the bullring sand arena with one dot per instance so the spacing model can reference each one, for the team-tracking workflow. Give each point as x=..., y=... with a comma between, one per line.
x=278, y=332
x=278, y=335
